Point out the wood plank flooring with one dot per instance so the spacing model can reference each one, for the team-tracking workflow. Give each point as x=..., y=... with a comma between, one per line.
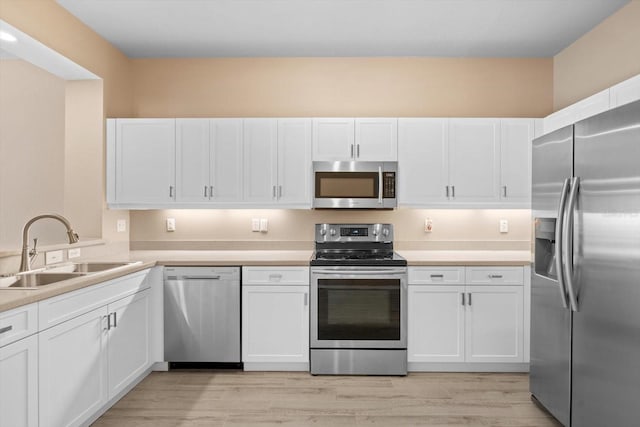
x=233, y=398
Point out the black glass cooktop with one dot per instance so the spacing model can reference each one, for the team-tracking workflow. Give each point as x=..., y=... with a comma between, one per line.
x=370, y=258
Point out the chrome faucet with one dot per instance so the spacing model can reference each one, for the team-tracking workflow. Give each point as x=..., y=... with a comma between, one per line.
x=25, y=260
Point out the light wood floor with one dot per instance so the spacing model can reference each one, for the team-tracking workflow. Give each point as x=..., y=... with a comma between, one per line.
x=223, y=398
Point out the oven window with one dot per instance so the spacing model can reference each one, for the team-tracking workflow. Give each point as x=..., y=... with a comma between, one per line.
x=358, y=185
x=358, y=309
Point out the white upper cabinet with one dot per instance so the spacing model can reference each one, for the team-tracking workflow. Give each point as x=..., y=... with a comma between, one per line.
x=625, y=92
x=515, y=161
x=376, y=139
x=294, y=161
x=364, y=139
x=192, y=160
x=333, y=139
x=423, y=167
x=260, y=160
x=144, y=155
x=474, y=160
x=225, y=185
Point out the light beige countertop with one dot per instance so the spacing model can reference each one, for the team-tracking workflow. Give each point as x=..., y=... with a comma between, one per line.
x=10, y=298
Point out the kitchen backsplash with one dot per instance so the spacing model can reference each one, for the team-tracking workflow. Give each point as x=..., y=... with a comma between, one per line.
x=293, y=229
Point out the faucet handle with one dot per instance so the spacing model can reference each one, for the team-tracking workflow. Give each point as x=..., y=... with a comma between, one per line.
x=33, y=252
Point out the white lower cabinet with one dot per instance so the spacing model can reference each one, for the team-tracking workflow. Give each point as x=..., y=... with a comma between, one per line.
x=19, y=383
x=454, y=320
x=275, y=318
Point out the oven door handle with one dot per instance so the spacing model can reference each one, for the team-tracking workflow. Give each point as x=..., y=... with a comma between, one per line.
x=343, y=273
x=380, y=185
x=360, y=287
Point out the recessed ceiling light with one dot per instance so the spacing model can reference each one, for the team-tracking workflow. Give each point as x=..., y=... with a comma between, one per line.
x=4, y=36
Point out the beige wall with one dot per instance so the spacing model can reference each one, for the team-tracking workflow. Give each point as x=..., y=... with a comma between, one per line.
x=32, y=110
x=241, y=87
x=450, y=227
x=608, y=54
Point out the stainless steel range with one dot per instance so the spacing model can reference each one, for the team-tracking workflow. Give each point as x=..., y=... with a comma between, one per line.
x=358, y=301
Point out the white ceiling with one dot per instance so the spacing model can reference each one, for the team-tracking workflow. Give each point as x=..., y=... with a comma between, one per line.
x=237, y=28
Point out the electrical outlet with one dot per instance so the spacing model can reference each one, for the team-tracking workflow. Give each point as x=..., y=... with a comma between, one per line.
x=428, y=225
x=255, y=224
x=264, y=225
x=52, y=257
x=121, y=225
x=504, y=226
x=171, y=224
x=73, y=253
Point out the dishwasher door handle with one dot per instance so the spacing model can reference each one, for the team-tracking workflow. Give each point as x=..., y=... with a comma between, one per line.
x=199, y=278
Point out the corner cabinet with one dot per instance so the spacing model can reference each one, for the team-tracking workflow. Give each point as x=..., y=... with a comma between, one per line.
x=361, y=139
x=275, y=318
x=468, y=319
x=468, y=163
x=141, y=161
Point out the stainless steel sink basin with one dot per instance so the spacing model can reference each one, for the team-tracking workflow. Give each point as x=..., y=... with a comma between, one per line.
x=34, y=280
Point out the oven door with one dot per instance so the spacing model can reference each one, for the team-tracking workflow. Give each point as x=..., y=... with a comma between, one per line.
x=358, y=307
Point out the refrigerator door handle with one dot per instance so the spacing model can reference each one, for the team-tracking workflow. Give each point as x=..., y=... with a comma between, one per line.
x=558, y=237
x=567, y=243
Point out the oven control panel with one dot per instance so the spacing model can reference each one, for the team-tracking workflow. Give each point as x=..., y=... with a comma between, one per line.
x=354, y=233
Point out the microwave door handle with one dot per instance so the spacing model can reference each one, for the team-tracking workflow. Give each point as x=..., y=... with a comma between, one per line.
x=379, y=184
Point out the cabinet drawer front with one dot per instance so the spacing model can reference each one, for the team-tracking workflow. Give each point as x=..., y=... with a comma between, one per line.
x=436, y=275
x=18, y=323
x=67, y=306
x=495, y=275
x=275, y=275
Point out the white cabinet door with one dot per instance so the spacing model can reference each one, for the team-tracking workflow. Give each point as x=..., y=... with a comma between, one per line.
x=294, y=161
x=376, y=139
x=423, y=169
x=494, y=324
x=129, y=344
x=226, y=160
x=625, y=92
x=145, y=161
x=515, y=161
x=275, y=324
x=333, y=139
x=436, y=324
x=73, y=369
x=474, y=160
x=260, y=160
x=19, y=383
x=192, y=160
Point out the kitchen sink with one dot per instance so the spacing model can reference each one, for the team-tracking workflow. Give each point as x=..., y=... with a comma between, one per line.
x=89, y=267
x=34, y=280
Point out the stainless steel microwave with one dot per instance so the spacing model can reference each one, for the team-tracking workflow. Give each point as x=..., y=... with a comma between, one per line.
x=355, y=185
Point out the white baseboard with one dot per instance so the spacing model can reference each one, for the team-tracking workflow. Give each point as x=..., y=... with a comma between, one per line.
x=275, y=366
x=467, y=367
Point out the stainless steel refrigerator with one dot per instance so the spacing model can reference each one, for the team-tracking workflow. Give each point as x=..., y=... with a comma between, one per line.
x=585, y=285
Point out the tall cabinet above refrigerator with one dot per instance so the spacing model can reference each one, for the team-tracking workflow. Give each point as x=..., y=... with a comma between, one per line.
x=585, y=316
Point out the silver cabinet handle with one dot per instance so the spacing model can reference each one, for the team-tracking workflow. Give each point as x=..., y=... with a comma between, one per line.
x=306, y=299
x=279, y=191
x=6, y=329
x=437, y=276
x=358, y=151
x=205, y=191
x=495, y=276
x=453, y=191
x=171, y=191
x=211, y=191
x=469, y=299
x=352, y=150
x=108, y=317
x=462, y=294
x=558, y=247
x=447, y=191
x=379, y=184
x=273, y=192
x=504, y=191
x=115, y=319
x=567, y=240
x=275, y=277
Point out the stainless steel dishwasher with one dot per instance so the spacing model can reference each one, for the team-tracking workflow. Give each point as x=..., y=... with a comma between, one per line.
x=202, y=315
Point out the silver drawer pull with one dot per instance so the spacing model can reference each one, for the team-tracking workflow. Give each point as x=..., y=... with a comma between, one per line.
x=6, y=329
x=437, y=276
x=495, y=276
x=274, y=277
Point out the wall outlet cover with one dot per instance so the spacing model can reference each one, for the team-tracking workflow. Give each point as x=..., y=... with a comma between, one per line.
x=171, y=224
x=121, y=225
x=53, y=257
x=73, y=253
x=428, y=225
x=504, y=226
x=264, y=225
x=255, y=224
